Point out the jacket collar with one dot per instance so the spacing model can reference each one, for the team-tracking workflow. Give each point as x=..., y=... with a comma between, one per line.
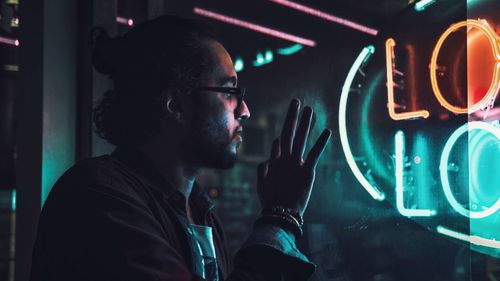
x=142, y=165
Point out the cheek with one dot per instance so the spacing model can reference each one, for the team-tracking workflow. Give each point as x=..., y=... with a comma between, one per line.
x=223, y=121
x=222, y=114
x=214, y=121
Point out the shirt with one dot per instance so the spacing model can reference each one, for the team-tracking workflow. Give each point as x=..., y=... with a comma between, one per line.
x=114, y=217
x=206, y=249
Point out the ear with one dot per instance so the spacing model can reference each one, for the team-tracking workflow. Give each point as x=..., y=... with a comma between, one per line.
x=171, y=104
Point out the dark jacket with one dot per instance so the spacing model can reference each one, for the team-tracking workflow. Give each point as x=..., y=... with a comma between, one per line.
x=114, y=217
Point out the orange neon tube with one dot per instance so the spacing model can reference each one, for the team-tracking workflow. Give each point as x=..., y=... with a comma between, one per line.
x=495, y=83
x=390, y=65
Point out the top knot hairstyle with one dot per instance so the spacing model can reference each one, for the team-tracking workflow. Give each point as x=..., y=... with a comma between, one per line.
x=166, y=52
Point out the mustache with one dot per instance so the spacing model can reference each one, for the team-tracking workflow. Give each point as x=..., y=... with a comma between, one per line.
x=238, y=131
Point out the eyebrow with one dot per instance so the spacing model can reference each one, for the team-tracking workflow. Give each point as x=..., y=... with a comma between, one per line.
x=233, y=80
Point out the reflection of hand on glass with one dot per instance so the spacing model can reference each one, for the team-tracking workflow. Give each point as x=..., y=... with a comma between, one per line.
x=286, y=179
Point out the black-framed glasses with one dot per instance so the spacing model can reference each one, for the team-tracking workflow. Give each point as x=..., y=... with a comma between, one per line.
x=239, y=93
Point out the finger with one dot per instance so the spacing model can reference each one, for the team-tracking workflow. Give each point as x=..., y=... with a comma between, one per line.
x=317, y=150
x=299, y=143
x=313, y=120
x=288, y=131
x=261, y=174
x=275, y=149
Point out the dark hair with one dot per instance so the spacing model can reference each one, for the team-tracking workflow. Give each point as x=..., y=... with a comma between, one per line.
x=166, y=52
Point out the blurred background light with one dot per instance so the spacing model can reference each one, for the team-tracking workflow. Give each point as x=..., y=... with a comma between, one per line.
x=423, y=4
x=9, y=41
x=290, y=50
x=239, y=64
x=125, y=21
x=254, y=27
x=325, y=16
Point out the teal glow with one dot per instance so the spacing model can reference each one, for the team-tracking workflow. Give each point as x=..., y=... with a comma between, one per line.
x=13, y=200
x=399, y=148
x=56, y=160
x=290, y=50
x=423, y=177
x=443, y=169
x=262, y=59
x=453, y=234
x=423, y=4
x=371, y=51
x=473, y=239
x=471, y=3
x=259, y=60
x=484, y=179
x=58, y=130
x=50, y=174
x=268, y=56
x=369, y=187
x=239, y=65
x=367, y=137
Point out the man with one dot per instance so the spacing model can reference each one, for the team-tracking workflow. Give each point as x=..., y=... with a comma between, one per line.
x=138, y=213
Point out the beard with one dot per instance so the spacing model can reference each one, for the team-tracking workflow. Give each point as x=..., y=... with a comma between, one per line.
x=210, y=144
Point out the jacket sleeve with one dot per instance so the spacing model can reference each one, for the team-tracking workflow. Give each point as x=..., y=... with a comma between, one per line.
x=270, y=253
x=96, y=231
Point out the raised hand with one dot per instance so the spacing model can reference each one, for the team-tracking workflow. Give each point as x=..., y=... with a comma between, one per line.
x=286, y=179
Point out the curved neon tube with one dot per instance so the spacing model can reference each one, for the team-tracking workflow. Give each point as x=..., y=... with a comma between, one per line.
x=476, y=240
x=495, y=83
x=389, y=60
x=399, y=145
x=370, y=188
x=443, y=169
x=476, y=144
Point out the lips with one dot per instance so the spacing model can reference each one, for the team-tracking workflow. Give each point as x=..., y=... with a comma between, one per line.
x=238, y=138
x=238, y=135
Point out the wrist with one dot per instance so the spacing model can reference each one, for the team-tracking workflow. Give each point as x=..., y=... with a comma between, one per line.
x=288, y=212
x=283, y=218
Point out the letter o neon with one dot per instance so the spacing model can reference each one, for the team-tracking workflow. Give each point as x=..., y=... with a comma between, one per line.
x=495, y=83
x=443, y=169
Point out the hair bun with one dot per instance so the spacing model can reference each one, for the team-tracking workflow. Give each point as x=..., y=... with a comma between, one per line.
x=106, y=51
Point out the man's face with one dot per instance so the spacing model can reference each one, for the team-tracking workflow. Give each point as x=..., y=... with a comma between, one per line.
x=217, y=128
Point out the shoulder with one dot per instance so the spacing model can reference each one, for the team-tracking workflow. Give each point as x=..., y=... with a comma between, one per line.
x=102, y=170
x=98, y=178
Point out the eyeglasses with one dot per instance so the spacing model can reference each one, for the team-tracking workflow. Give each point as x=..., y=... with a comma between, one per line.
x=239, y=93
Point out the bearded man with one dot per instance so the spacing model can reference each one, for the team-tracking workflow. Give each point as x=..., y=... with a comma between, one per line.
x=138, y=213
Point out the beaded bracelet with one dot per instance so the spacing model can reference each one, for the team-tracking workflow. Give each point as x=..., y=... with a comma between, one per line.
x=279, y=209
x=286, y=221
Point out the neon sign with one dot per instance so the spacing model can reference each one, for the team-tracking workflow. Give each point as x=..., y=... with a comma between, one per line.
x=487, y=100
x=399, y=143
x=480, y=215
x=390, y=66
x=443, y=168
x=476, y=240
x=494, y=40
x=369, y=185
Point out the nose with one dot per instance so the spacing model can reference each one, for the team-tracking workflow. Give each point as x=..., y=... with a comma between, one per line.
x=242, y=111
